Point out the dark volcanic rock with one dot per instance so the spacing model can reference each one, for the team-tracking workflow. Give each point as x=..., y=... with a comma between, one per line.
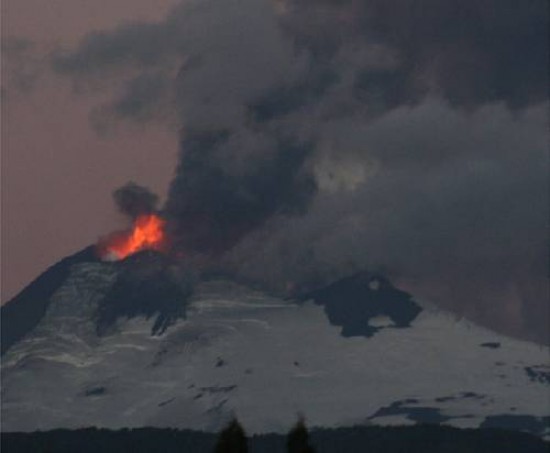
x=353, y=301
x=146, y=286
x=22, y=313
x=417, y=413
x=491, y=345
x=539, y=373
x=95, y=391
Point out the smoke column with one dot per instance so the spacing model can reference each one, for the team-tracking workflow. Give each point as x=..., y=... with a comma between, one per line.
x=322, y=137
x=134, y=200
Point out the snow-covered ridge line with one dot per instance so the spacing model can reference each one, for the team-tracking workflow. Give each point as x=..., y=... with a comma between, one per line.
x=277, y=357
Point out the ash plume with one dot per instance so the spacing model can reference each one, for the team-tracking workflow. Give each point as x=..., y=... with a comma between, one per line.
x=133, y=200
x=410, y=138
x=213, y=206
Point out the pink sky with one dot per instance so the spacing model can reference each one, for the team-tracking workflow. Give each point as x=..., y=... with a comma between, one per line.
x=57, y=174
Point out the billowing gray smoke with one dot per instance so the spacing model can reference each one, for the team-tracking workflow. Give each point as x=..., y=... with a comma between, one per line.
x=212, y=205
x=411, y=136
x=134, y=200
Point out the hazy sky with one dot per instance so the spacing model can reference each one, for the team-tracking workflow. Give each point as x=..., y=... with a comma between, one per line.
x=51, y=156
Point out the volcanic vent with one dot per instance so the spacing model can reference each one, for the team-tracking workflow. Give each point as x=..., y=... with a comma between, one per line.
x=147, y=233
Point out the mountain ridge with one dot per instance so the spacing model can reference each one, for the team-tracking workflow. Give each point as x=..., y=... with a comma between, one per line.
x=229, y=343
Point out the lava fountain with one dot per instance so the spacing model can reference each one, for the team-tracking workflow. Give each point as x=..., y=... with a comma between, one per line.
x=147, y=233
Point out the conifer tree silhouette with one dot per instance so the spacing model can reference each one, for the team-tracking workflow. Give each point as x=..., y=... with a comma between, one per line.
x=232, y=439
x=298, y=438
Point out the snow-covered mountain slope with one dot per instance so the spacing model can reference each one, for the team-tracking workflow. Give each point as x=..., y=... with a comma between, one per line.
x=230, y=350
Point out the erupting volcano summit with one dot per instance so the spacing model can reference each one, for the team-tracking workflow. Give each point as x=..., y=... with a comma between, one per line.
x=147, y=233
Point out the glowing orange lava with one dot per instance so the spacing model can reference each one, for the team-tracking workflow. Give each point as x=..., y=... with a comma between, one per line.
x=147, y=233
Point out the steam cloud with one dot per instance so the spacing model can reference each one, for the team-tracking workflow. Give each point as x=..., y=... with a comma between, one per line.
x=412, y=138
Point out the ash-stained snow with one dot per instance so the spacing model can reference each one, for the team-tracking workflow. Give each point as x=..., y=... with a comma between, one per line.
x=241, y=352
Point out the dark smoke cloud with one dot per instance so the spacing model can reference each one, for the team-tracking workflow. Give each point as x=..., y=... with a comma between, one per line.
x=468, y=52
x=21, y=65
x=213, y=203
x=134, y=200
x=411, y=136
x=452, y=205
x=143, y=99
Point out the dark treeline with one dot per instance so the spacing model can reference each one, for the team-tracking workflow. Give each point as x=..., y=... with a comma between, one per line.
x=370, y=439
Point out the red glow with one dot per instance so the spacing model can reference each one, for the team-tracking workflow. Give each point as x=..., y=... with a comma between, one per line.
x=147, y=233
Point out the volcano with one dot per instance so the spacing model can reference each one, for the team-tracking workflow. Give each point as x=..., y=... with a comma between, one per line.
x=142, y=342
